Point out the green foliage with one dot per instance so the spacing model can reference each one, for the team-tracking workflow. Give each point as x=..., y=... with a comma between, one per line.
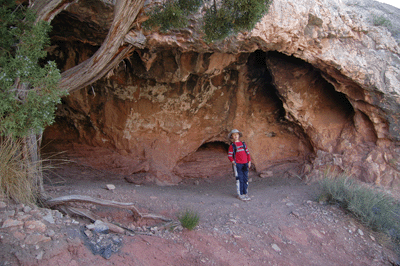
x=189, y=219
x=232, y=17
x=381, y=21
x=166, y=17
x=190, y=5
x=15, y=181
x=375, y=208
x=219, y=22
x=28, y=90
x=172, y=14
x=245, y=13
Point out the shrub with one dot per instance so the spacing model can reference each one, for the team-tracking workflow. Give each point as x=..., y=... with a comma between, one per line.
x=28, y=87
x=381, y=21
x=217, y=25
x=376, y=208
x=233, y=16
x=167, y=16
x=172, y=14
x=230, y=17
x=246, y=13
x=190, y=5
x=189, y=219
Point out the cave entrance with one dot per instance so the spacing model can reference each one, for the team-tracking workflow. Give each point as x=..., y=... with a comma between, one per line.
x=210, y=160
x=261, y=88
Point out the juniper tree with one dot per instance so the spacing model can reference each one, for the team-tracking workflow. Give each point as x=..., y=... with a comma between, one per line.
x=28, y=87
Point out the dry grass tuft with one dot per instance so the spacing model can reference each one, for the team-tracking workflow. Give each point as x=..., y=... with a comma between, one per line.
x=16, y=176
x=376, y=208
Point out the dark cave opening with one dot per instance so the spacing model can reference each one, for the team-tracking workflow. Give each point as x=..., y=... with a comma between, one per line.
x=208, y=161
x=329, y=91
x=261, y=81
x=214, y=145
x=297, y=90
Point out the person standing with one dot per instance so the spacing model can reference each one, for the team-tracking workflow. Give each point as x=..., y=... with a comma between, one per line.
x=239, y=155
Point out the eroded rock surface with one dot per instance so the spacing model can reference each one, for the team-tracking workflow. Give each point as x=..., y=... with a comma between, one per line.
x=315, y=84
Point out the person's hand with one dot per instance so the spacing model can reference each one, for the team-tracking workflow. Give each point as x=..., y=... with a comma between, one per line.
x=249, y=165
x=233, y=162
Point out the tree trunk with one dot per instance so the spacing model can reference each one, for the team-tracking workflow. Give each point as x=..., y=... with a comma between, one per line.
x=33, y=165
x=30, y=148
x=34, y=154
x=47, y=9
x=112, y=51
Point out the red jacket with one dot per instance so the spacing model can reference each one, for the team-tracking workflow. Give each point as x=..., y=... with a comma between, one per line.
x=242, y=155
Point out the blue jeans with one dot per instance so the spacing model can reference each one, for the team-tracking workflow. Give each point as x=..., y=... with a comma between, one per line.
x=243, y=177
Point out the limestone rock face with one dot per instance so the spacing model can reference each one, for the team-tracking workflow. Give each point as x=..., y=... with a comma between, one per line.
x=315, y=84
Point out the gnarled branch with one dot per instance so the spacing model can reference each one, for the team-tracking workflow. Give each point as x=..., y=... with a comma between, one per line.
x=111, y=52
x=109, y=55
x=109, y=203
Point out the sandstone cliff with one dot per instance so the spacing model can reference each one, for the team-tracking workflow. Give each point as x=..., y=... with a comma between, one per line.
x=315, y=85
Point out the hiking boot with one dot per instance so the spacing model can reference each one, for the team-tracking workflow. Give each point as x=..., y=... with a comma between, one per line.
x=241, y=197
x=246, y=197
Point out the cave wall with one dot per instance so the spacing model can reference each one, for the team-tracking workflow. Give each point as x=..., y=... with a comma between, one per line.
x=157, y=109
x=314, y=83
x=337, y=121
x=160, y=113
x=311, y=101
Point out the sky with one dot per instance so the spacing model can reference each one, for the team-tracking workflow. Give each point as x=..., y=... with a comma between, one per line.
x=395, y=3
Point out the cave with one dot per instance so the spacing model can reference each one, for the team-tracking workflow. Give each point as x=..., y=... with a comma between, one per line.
x=162, y=117
x=173, y=98
x=210, y=160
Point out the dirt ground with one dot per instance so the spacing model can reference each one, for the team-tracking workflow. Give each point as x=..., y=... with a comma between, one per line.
x=282, y=225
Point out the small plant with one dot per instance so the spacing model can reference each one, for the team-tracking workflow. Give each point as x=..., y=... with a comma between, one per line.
x=375, y=208
x=167, y=16
x=172, y=14
x=232, y=17
x=189, y=219
x=220, y=20
x=381, y=21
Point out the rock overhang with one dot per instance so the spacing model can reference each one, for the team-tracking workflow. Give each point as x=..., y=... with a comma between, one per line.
x=178, y=74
